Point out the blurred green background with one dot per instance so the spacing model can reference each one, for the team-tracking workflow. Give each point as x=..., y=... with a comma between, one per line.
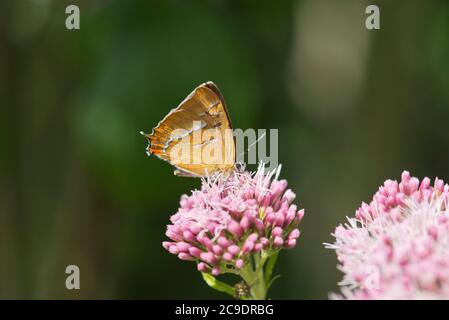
x=353, y=107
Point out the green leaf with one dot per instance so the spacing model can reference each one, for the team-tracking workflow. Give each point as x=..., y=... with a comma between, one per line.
x=217, y=284
x=272, y=280
x=270, y=266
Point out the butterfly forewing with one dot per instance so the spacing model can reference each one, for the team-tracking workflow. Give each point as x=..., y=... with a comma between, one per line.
x=196, y=137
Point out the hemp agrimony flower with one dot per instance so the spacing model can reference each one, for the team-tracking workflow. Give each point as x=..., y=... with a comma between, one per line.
x=236, y=224
x=397, y=247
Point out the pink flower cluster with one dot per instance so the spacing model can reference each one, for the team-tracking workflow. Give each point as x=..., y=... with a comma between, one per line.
x=393, y=195
x=397, y=247
x=233, y=217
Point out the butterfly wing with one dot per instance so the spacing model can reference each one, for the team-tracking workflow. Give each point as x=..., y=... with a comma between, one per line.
x=196, y=137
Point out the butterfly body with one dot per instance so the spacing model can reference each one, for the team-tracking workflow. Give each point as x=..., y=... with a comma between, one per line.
x=196, y=137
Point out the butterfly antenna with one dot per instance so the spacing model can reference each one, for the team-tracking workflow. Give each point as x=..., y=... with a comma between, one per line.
x=250, y=146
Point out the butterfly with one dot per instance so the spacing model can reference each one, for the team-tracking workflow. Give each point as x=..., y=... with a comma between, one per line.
x=196, y=137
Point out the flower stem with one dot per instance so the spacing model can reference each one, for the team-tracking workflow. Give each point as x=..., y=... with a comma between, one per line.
x=255, y=278
x=258, y=289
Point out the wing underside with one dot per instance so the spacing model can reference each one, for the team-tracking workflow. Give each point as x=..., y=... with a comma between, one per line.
x=196, y=137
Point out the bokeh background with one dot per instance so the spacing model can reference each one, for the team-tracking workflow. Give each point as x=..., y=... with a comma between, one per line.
x=353, y=108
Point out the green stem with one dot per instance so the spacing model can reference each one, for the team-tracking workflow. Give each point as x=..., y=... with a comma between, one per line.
x=255, y=278
x=258, y=289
